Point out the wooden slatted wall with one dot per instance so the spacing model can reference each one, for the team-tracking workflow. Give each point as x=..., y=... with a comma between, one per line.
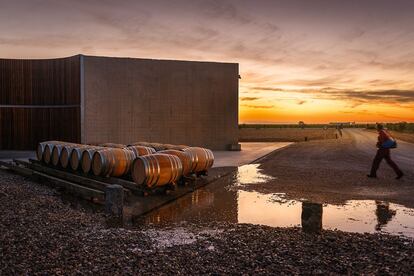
x=39, y=100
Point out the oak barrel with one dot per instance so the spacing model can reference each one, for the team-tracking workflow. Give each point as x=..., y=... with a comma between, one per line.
x=41, y=148
x=66, y=154
x=113, y=145
x=86, y=157
x=202, y=158
x=145, y=144
x=112, y=162
x=57, y=150
x=141, y=150
x=47, y=154
x=156, y=169
x=185, y=159
x=76, y=155
x=175, y=147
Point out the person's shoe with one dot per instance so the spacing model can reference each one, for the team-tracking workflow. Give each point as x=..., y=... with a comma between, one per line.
x=371, y=176
x=399, y=176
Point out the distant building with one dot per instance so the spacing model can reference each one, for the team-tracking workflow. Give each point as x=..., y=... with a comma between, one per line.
x=122, y=100
x=342, y=123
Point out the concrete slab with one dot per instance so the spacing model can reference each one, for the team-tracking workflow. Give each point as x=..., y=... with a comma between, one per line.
x=249, y=153
x=9, y=155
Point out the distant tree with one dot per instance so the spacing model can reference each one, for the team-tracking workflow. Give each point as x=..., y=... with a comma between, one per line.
x=301, y=124
x=402, y=126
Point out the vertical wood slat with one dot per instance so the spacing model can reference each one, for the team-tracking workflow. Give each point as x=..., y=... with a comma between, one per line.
x=38, y=83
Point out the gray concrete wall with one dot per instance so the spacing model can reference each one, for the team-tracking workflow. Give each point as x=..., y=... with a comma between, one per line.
x=179, y=102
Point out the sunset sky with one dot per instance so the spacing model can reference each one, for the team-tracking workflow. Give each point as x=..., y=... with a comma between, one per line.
x=310, y=60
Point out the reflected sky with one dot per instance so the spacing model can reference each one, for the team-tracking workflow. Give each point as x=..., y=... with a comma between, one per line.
x=251, y=174
x=233, y=204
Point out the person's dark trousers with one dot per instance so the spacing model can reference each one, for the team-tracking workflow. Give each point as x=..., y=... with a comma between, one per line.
x=384, y=154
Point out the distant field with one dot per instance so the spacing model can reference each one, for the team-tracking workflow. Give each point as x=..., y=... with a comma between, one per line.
x=403, y=127
x=284, y=134
x=403, y=136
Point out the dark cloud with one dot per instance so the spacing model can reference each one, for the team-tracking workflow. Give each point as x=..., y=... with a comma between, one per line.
x=353, y=34
x=370, y=96
x=276, y=89
x=224, y=10
x=258, y=106
x=249, y=98
x=329, y=80
x=353, y=97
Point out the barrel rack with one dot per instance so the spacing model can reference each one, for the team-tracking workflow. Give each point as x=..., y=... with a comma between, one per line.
x=92, y=188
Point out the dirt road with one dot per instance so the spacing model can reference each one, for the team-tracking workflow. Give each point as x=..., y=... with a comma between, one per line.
x=364, y=141
x=333, y=171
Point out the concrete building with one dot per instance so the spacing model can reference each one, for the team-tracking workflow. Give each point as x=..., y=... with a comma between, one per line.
x=122, y=100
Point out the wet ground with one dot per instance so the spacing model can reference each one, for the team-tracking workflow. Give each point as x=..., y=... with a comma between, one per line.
x=250, y=152
x=234, y=199
x=203, y=233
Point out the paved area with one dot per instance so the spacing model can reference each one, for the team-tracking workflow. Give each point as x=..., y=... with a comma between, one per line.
x=365, y=142
x=8, y=155
x=249, y=153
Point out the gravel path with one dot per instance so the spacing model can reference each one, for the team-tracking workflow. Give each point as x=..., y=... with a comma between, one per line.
x=333, y=171
x=41, y=234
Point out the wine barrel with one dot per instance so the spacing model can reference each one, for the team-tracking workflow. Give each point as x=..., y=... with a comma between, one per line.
x=175, y=147
x=87, y=156
x=112, y=162
x=47, y=154
x=141, y=150
x=66, y=154
x=158, y=146
x=76, y=155
x=185, y=159
x=145, y=144
x=113, y=145
x=57, y=151
x=41, y=148
x=156, y=169
x=202, y=158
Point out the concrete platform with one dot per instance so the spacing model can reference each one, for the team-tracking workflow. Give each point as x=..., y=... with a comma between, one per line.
x=9, y=155
x=249, y=153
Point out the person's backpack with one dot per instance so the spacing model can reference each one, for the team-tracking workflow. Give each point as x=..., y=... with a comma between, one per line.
x=389, y=144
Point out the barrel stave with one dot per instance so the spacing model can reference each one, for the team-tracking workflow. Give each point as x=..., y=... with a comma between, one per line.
x=156, y=170
x=202, y=158
x=112, y=162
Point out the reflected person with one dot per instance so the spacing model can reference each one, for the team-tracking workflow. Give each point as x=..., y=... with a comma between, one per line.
x=384, y=214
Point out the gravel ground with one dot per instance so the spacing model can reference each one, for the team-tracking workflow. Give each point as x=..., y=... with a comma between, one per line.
x=333, y=171
x=42, y=234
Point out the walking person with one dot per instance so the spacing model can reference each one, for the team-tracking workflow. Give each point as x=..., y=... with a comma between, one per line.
x=385, y=144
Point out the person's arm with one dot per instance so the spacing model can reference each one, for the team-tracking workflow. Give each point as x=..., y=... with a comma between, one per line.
x=379, y=141
x=382, y=137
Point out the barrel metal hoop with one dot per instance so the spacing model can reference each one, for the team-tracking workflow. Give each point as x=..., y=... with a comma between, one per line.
x=146, y=170
x=172, y=166
x=158, y=171
x=152, y=170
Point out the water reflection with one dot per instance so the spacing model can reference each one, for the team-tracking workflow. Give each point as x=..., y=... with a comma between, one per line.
x=251, y=174
x=384, y=214
x=211, y=204
x=226, y=200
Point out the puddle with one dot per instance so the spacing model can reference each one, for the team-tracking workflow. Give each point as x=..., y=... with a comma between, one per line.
x=251, y=174
x=233, y=204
